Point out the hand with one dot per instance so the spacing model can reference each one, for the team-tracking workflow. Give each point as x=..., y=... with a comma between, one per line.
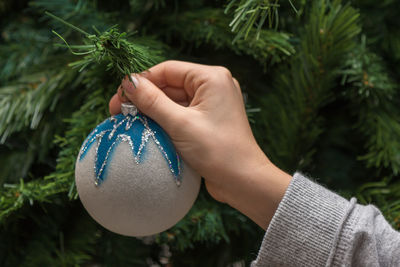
x=201, y=108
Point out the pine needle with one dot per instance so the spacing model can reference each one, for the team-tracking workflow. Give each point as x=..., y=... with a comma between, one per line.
x=250, y=13
x=111, y=47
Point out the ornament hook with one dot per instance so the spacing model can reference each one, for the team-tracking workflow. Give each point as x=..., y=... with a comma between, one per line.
x=129, y=108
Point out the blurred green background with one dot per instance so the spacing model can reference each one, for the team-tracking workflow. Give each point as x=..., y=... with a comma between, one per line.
x=322, y=85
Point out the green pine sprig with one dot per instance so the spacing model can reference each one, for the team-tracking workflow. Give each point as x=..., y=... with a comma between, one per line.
x=112, y=47
x=250, y=13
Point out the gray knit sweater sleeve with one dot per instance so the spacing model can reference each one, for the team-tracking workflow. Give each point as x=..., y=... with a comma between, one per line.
x=316, y=227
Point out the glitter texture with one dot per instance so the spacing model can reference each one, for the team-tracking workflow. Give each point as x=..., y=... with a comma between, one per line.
x=136, y=199
x=136, y=130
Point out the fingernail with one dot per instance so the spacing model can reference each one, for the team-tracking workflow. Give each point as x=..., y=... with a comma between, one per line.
x=129, y=84
x=135, y=80
x=122, y=94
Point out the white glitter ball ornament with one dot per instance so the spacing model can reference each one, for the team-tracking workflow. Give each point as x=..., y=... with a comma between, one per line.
x=130, y=178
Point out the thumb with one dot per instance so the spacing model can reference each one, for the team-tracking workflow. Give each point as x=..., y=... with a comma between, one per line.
x=152, y=101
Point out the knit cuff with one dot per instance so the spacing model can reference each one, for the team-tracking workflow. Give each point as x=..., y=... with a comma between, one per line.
x=305, y=228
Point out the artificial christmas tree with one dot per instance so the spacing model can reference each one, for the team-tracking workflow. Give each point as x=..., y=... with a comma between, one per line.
x=323, y=78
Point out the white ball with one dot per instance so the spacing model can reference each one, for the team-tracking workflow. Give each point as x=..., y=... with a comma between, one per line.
x=135, y=199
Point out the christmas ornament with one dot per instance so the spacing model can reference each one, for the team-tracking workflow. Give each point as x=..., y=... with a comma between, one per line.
x=130, y=178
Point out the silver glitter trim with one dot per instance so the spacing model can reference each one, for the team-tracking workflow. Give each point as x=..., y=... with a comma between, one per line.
x=88, y=139
x=160, y=147
x=147, y=133
x=115, y=126
x=106, y=158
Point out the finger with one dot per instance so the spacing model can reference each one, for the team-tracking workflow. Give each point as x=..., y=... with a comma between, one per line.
x=122, y=95
x=178, y=74
x=236, y=83
x=176, y=94
x=153, y=102
x=184, y=103
x=114, y=105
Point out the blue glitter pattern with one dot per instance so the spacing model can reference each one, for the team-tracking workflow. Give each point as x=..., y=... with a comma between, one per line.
x=136, y=130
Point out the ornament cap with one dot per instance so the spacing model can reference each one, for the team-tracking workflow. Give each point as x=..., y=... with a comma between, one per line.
x=129, y=108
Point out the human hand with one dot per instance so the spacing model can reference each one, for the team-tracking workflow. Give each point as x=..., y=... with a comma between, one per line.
x=201, y=108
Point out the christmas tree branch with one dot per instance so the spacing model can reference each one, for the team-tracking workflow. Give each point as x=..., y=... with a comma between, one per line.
x=209, y=26
x=373, y=95
x=304, y=109
x=303, y=87
x=121, y=56
x=374, y=98
x=23, y=105
x=250, y=13
x=113, y=52
x=62, y=180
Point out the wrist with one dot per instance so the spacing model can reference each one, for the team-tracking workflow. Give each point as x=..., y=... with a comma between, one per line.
x=257, y=190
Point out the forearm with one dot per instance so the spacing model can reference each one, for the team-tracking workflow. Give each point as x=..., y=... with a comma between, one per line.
x=315, y=227
x=256, y=188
